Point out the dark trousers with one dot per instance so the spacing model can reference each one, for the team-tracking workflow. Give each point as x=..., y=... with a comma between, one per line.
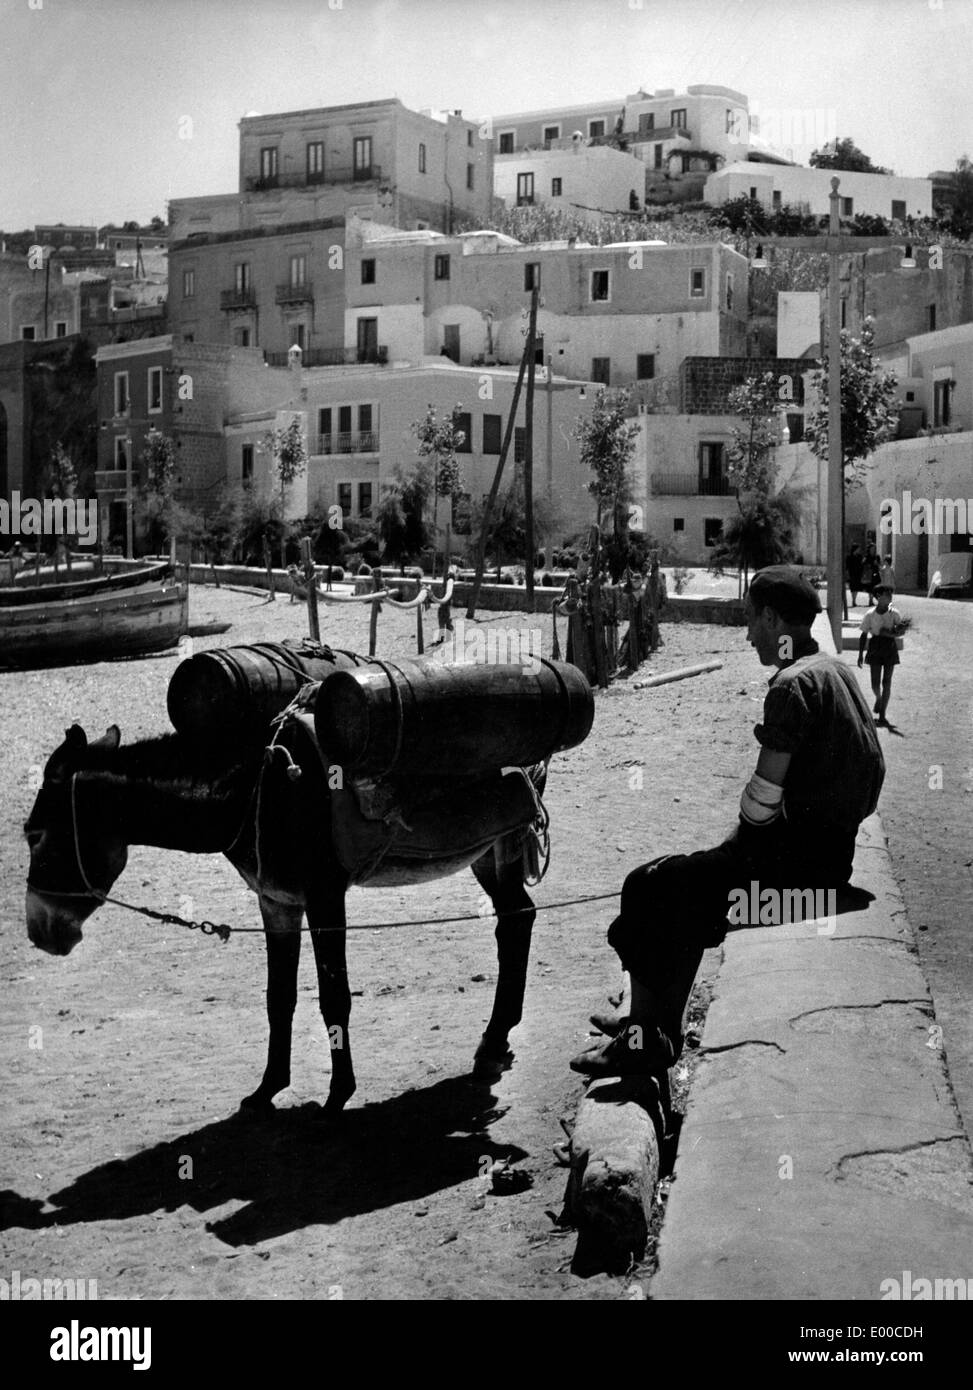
x=675, y=908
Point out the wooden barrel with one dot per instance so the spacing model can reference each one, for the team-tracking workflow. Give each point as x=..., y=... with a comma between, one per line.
x=229, y=695
x=414, y=717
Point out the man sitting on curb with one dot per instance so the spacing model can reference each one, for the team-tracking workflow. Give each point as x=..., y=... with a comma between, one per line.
x=818, y=776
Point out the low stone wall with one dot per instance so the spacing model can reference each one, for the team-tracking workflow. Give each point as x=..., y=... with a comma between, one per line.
x=725, y=612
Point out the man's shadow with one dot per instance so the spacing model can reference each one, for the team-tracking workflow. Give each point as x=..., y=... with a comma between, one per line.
x=292, y=1169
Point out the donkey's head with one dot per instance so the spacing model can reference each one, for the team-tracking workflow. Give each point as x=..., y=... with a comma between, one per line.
x=72, y=849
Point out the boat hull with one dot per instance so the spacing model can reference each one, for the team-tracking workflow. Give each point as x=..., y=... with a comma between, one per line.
x=97, y=627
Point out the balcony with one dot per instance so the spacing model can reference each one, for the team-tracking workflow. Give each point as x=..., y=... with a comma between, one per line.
x=690, y=485
x=238, y=299
x=295, y=294
x=112, y=480
x=333, y=175
x=332, y=357
x=360, y=442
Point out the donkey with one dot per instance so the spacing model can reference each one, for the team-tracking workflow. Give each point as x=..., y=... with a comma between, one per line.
x=98, y=798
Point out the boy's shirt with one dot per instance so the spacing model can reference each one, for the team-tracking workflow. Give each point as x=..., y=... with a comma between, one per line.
x=874, y=623
x=814, y=710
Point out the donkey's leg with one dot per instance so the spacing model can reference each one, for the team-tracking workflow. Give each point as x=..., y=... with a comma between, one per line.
x=326, y=919
x=282, y=932
x=503, y=880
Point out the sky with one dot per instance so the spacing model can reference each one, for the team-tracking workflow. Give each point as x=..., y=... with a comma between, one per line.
x=108, y=108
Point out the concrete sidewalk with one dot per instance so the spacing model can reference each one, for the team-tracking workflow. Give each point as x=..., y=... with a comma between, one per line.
x=822, y=1154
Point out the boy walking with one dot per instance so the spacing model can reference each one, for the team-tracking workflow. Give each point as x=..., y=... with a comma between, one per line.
x=879, y=629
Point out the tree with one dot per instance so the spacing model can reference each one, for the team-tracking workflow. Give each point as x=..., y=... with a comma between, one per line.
x=607, y=446
x=844, y=154
x=960, y=215
x=158, y=224
x=158, y=513
x=868, y=412
x=439, y=439
x=289, y=451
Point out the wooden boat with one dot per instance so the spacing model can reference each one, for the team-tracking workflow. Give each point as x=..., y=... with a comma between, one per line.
x=130, y=611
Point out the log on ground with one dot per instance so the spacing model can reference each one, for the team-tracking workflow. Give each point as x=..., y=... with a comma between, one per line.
x=615, y=1161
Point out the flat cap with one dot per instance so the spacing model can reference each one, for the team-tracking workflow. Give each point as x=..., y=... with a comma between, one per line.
x=787, y=592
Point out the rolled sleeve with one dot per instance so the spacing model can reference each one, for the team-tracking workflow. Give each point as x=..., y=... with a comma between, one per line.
x=786, y=719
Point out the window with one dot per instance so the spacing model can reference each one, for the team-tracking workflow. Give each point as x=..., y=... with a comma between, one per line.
x=368, y=271
x=343, y=492
x=492, y=425
x=532, y=275
x=469, y=175
x=775, y=199
x=844, y=313
x=525, y=190
x=121, y=451
x=121, y=393
x=697, y=283
x=595, y=129
x=552, y=132
x=469, y=137
x=898, y=209
x=464, y=422
x=942, y=411
x=298, y=271
x=753, y=192
x=601, y=370
x=645, y=366
x=712, y=530
x=646, y=122
x=246, y=463
x=556, y=188
x=189, y=284
x=600, y=286
x=520, y=444
x=441, y=268
x=344, y=429
x=298, y=335
x=268, y=164
x=729, y=293
x=678, y=523
x=189, y=337
x=678, y=119
x=315, y=161
x=60, y=328
x=847, y=207
x=241, y=277
x=241, y=337
x=362, y=168
x=364, y=499
x=730, y=120
x=931, y=318
x=712, y=472
x=422, y=159
x=657, y=157
x=507, y=142
x=324, y=429
x=155, y=390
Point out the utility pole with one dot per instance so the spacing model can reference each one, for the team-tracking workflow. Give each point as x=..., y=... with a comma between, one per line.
x=529, y=449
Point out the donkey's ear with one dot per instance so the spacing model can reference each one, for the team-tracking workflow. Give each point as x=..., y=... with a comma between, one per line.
x=75, y=738
x=111, y=738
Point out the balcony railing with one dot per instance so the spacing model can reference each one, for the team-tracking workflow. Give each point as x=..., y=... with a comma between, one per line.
x=360, y=442
x=333, y=174
x=295, y=294
x=112, y=479
x=238, y=299
x=690, y=485
x=332, y=357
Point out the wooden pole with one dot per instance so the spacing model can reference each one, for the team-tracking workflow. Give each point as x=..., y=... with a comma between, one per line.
x=529, y=450
x=420, y=641
x=311, y=580
x=836, y=546
x=375, y=610
x=270, y=569
x=495, y=488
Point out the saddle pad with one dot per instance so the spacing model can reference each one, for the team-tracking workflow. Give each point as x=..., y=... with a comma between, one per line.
x=397, y=831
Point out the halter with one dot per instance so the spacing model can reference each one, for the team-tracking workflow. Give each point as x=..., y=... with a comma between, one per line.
x=170, y=918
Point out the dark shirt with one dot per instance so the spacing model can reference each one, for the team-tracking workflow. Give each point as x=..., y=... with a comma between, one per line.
x=815, y=711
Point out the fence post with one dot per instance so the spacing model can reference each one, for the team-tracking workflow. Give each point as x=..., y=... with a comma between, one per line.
x=376, y=609
x=311, y=580
x=270, y=569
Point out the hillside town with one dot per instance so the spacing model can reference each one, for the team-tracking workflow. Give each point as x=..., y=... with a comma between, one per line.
x=373, y=260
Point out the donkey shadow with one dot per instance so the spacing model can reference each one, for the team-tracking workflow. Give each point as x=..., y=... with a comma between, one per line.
x=292, y=1169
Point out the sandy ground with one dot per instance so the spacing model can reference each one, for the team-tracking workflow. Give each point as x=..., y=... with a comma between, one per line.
x=123, y=1160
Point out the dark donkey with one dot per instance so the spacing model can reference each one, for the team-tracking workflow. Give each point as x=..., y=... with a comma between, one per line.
x=99, y=798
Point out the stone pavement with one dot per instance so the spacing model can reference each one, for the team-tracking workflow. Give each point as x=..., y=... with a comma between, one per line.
x=822, y=1154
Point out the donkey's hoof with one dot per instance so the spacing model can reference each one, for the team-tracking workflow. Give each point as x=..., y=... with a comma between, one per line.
x=490, y=1063
x=257, y=1106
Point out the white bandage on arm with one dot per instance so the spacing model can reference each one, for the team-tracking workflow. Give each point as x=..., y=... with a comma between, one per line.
x=761, y=801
